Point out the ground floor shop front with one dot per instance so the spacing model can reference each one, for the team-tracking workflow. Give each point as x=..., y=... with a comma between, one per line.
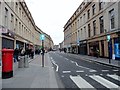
x=104, y=48
x=98, y=46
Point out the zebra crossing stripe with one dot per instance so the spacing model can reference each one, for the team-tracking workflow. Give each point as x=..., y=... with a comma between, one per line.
x=80, y=82
x=116, y=77
x=79, y=71
x=66, y=71
x=92, y=71
x=103, y=81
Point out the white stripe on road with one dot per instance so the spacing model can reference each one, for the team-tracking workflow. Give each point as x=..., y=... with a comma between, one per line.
x=80, y=82
x=82, y=66
x=66, y=59
x=57, y=67
x=76, y=64
x=66, y=71
x=79, y=65
x=116, y=77
x=72, y=62
x=115, y=70
x=51, y=58
x=79, y=71
x=104, y=82
x=92, y=71
x=105, y=70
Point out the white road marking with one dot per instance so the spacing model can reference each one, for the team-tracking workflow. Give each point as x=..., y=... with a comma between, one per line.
x=115, y=70
x=66, y=59
x=116, y=77
x=66, y=71
x=92, y=71
x=79, y=65
x=80, y=82
x=104, y=82
x=57, y=67
x=86, y=75
x=51, y=58
x=72, y=62
x=105, y=70
x=83, y=67
x=62, y=76
x=76, y=64
x=79, y=71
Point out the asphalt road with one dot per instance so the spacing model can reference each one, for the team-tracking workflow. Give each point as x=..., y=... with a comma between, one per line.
x=78, y=73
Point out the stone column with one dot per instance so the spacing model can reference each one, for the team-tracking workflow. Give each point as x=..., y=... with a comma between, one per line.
x=113, y=46
x=100, y=48
x=106, y=48
x=88, y=49
x=14, y=43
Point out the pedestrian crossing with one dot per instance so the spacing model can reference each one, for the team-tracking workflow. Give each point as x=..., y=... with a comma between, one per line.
x=82, y=83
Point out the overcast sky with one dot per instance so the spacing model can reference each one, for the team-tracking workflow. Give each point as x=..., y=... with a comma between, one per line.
x=51, y=15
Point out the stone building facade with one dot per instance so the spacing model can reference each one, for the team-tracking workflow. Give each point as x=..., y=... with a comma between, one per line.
x=17, y=26
x=87, y=30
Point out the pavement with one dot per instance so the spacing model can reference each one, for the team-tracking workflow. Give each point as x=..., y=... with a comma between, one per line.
x=105, y=61
x=35, y=76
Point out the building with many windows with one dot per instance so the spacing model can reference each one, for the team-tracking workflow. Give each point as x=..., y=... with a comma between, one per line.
x=87, y=30
x=17, y=26
x=48, y=42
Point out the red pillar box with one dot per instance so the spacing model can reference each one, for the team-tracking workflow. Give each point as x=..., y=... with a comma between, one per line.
x=7, y=63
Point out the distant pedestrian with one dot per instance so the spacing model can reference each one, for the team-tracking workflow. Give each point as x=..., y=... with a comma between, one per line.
x=98, y=53
x=42, y=51
x=16, y=54
x=32, y=53
x=27, y=52
x=22, y=53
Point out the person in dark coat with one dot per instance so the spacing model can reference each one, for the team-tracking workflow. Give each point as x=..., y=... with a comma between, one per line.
x=16, y=54
x=32, y=53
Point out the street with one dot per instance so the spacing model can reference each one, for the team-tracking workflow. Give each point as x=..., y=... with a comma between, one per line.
x=75, y=72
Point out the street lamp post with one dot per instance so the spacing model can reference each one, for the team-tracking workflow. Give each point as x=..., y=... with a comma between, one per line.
x=42, y=53
x=42, y=37
x=108, y=40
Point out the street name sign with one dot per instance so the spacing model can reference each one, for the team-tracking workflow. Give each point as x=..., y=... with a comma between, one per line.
x=42, y=37
x=108, y=38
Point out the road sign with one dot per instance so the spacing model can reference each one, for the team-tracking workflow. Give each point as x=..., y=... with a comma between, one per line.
x=42, y=37
x=108, y=38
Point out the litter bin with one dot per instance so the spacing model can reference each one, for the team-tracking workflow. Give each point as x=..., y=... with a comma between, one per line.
x=21, y=62
x=26, y=63
x=7, y=63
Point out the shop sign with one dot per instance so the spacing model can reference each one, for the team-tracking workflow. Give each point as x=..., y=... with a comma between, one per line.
x=117, y=50
x=42, y=37
x=108, y=38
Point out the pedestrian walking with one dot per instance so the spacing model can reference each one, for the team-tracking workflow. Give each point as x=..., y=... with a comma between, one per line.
x=22, y=53
x=98, y=53
x=32, y=53
x=16, y=54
